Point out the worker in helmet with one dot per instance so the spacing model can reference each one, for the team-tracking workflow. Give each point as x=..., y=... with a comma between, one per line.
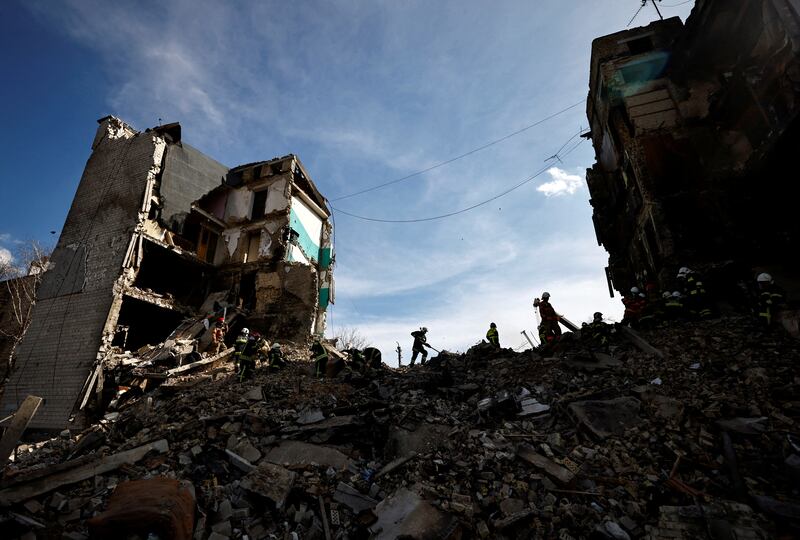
x=248, y=356
x=239, y=345
x=419, y=345
x=598, y=331
x=549, y=330
x=320, y=357
x=634, y=303
x=218, y=336
x=673, y=306
x=696, y=299
x=275, y=358
x=493, y=336
x=770, y=298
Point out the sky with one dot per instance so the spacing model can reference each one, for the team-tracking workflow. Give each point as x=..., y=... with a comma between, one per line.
x=364, y=93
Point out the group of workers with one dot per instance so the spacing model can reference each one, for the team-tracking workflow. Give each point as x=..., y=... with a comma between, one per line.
x=248, y=350
x=643, y=308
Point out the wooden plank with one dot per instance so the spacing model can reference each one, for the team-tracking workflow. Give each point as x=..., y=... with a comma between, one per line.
x=631, y=335
x=651, y=108
x=18, y=425
x=88, y=393
x=199, y=363
x=103, y=465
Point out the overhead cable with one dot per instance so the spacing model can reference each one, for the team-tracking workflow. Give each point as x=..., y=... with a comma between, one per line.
x=463, y=210
x=456, y=158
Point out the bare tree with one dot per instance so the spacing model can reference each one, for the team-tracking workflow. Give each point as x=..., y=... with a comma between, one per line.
x=348, y=337
x=20, y=275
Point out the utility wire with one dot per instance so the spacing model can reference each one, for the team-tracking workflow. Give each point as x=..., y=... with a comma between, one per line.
x=463, y=210
x=635, y=14
x=676, y=5
x=456, y=158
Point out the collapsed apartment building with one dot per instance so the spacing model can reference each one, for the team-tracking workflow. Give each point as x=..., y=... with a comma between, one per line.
x=694, y=128
x=159, y=235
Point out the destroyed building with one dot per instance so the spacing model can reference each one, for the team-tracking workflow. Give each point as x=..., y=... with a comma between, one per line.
x=693, y=128
x=159, y=233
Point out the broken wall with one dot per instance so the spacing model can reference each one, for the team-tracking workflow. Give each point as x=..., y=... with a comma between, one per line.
x=55, y=357
x=691, y=128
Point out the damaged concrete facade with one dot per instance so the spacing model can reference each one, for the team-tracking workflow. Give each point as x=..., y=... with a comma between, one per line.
x=144, y=248
x=692, y=127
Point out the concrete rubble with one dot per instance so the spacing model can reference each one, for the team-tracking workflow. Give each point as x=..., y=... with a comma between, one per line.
x=441, y=451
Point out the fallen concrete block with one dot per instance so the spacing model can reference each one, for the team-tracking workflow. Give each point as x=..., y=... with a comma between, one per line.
x=239, y=462
x=17, y=426
x=160, y=506
x=405, y=514
x=300, y=453
x=81, y=472
x=553, y=469
x=606, y=418
x=270, y=481
x=353, y=499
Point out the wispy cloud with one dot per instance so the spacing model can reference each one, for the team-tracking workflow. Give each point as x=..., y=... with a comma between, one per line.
x=5, y=256
x=562, y=183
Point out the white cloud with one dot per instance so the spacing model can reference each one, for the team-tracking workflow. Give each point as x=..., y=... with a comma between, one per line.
x=562, y=183
x=5, y=256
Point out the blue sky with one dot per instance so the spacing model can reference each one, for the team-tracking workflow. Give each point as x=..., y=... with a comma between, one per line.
x=363, y=92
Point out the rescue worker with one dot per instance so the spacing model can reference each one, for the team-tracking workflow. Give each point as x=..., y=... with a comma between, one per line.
x=493, y=336
x=372, y=358
x=239, y=345
x=696, y=300
x=770, y=297
x=320, y=357
x=356, y=359
x=673, y=306
x=420, y=343
x=649, y=309
x=634, y=305
x=549, y=330
x=598, y=331
x=218, y=336
x=275, y=359
x=248, y=356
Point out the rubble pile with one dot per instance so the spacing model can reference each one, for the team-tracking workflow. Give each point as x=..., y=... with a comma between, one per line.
x=697, y=437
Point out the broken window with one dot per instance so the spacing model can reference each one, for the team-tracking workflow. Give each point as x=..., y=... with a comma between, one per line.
x=640, y=45
x=145, y=323
x=640, y=72
x=259, y=204
x=207, y=245
x=253, y=242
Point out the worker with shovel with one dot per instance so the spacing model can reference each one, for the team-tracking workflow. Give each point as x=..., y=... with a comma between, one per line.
x=420, y=343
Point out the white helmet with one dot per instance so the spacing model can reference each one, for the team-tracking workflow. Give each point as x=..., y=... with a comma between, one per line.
x=763, y=277
x=424, y=328
x=276, y=346
x=683, y=271
x=666, y=294
x=642, y=295
x=545, y=295
x=676, y=294
x=634, y=290
x=245, y=331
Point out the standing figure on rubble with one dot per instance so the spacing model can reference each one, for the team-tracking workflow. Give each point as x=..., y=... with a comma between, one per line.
x=770, y=298
x=320, y=357
x=673, y=306
x=247, y=358
x=493, y=336
x=275, y=359
x=694, y=292
x=549, y=330
x=634, y=305
x=218, y=336
x=420, y=342
x=239, y=346
x=599, y=332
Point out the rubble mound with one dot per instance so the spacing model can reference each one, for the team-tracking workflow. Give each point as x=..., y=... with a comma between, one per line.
x=695, y=438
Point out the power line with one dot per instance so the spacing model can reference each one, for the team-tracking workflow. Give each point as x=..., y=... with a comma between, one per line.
x=463, y=210
x=456, y=158
x=635, y=14
x=676, y=5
